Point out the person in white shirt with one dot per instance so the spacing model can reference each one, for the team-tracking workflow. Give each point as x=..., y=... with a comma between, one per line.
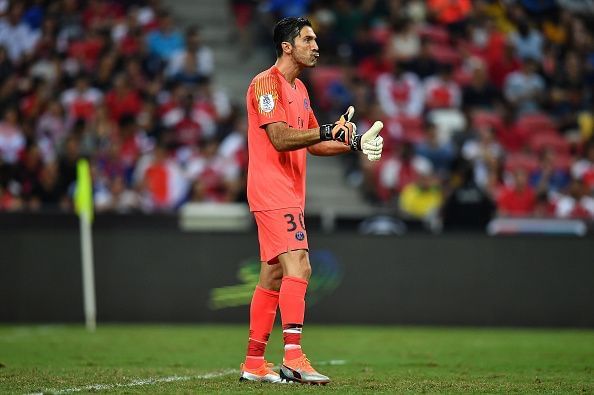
x=525, y=88
x=16, y=36
x=204, y=58
x=400, y=93
x=12, y=139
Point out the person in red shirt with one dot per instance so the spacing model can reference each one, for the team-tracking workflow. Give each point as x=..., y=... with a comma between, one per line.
x=122, y=99
x=282, y=128
x=519, y=200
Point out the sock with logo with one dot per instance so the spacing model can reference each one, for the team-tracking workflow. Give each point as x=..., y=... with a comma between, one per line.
x=292, y=306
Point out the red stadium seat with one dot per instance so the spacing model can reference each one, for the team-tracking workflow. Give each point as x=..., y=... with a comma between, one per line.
x=492, y=119
x=409, y=122
x=381, y=34
x=536, y=122
x=445, y=54
x=435, y=34
x=521, y=161
x=540, y=141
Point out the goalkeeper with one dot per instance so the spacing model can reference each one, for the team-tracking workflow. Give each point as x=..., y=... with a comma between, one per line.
x=281, y=129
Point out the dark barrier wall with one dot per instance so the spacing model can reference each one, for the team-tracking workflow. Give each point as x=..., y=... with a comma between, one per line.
x=158, y=273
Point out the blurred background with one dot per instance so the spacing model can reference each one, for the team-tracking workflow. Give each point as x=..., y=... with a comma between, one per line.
x=480, y=211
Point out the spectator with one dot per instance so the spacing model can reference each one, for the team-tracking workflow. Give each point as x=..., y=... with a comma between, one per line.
x=480, y=93
x=86, y=50
x=467, y=206
x=440, y=154
x=525, y=89
x=527, y=42
x=116, y=197
x=364, y=47
x=12, y=138
x=187, y=131
x=547, y=178
x=6, y=66
x=51, y=130
x=421, y=199
x=441, y=90
x=133, y=142
x=48, y=193
x=398, y=170
x=81, y=100
x=583, y=169
x=519, y=199
x=286, y=8
x=166, y=40
x=575, y=203
x=215, y=178
x=400, y=93
x=161, y=181
x=484, y=152
x=15, y=35
x=348, y=19
x=8, y=200
x=501, y=65
x=243, y=13
x=100, y=14
x=67, y=164
x=568, y=95
x=453, y=14
x=70, y=22
x=404, y=43
x=122, y=99
x=196, y=54
x=424, y=64
x=28, y=174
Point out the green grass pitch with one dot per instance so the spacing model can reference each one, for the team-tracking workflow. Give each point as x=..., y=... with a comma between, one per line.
x=359, y=359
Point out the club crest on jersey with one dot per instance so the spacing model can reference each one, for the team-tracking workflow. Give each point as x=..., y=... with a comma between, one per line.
x=300, y=236
x=266, y=102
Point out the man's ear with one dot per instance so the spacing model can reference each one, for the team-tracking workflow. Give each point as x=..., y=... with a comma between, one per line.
x=287, y=47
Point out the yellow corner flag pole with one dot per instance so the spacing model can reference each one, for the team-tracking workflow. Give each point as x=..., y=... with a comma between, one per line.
x=83, y=200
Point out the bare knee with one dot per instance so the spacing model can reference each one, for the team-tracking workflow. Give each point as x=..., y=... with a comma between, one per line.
x=296, y=264
x=271, y=277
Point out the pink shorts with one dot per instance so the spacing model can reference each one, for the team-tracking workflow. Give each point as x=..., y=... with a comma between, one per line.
x=280, y=231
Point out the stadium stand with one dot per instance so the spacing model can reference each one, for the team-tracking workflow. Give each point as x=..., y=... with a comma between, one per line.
x=507, y=86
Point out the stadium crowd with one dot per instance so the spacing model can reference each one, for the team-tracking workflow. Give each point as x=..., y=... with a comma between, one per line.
x=487, y=104
x=120, y=84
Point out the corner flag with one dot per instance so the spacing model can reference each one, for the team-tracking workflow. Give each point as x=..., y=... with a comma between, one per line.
x=83, y=198
x=83, y=201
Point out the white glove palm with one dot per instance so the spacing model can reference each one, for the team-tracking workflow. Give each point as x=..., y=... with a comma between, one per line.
x=372, y=143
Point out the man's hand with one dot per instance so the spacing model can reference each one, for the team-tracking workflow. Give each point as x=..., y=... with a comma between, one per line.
x=342, y=130
x=372, y=143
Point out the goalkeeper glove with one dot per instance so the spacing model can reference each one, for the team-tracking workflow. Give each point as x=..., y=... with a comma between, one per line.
x=342, y=130
x=370, y=142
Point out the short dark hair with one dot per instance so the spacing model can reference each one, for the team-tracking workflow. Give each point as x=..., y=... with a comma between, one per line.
x=286, y=30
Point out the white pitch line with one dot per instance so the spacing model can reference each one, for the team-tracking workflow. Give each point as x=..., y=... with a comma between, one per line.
x=159, y=380
x=140, y=382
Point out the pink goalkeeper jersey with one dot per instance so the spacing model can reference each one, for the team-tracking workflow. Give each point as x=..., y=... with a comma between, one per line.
x=276, y=179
